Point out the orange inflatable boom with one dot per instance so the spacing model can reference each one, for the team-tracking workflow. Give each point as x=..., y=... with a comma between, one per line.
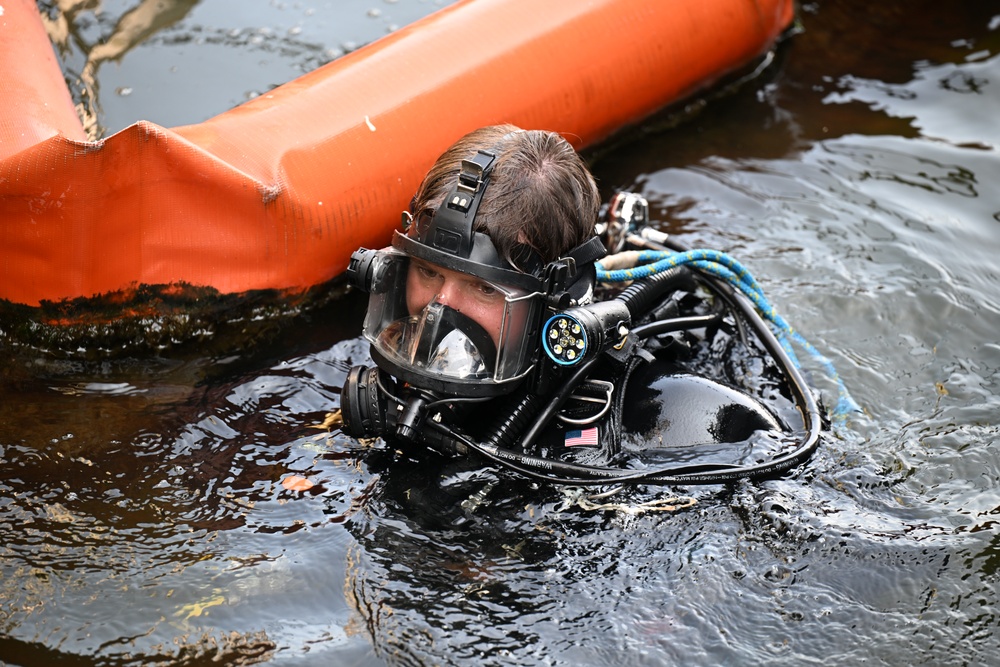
x=275, y=194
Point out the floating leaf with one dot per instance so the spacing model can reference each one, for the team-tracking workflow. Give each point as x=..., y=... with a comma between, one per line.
x=332, y=419
x=296, y=483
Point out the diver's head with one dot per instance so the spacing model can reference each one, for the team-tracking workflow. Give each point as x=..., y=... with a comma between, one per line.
x=501, y=228
x=541, y=197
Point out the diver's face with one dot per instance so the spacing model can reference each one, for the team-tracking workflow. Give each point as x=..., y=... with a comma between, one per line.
x=474, y=298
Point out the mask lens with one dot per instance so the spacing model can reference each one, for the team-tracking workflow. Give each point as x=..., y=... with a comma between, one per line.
x=440, y=341
x=450, y=331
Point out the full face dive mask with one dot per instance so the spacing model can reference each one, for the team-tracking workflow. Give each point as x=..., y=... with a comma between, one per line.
x=480, y=342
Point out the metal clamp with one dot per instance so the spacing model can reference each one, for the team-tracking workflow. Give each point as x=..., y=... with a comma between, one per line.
x=596, y=386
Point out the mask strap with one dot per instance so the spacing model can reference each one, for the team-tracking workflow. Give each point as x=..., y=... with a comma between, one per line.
x=562, y=274
x=450, y=230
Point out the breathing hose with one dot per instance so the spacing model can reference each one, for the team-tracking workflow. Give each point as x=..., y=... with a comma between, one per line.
x=640, y=295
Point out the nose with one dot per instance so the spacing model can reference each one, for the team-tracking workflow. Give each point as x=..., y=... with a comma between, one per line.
x=448, y=294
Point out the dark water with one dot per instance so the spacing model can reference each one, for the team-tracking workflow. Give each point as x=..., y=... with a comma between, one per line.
x=142, y=512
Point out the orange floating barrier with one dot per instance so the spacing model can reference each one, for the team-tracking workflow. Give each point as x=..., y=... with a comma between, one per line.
x=276, y=193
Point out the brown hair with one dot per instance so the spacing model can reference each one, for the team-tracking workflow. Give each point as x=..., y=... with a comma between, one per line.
x=541, y=194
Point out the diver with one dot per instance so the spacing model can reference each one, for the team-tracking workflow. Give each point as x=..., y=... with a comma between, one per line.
x=493, y=336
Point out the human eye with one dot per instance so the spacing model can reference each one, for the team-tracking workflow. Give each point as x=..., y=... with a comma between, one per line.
x=486, y=289
x=427, y=272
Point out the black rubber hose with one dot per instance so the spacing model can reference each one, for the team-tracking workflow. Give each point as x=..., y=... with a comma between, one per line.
x=676, y=324
x=642, y=294
x=510, y=427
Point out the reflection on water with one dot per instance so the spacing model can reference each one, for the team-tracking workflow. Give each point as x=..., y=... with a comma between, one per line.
x=127, y=60
x=145, y=520
x=134, y=27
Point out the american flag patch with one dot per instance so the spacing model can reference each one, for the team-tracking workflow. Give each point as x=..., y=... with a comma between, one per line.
x=587, y=436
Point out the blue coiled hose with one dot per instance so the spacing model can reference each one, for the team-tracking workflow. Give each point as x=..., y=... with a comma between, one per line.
x=728, y=269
